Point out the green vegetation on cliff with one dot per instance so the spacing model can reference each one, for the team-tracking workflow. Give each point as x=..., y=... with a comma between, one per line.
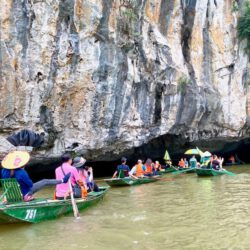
x=244, y=26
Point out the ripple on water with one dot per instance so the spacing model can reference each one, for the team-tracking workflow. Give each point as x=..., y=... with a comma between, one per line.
x=185, y=213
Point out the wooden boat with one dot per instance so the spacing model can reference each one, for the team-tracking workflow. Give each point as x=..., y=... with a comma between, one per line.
x=128, y=181
x=209, y=172
x=45, y=209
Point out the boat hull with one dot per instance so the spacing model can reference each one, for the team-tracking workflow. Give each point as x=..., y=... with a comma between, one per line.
x=44, y=209
x=208, y=172
x=191, y=170
x=127, y=181
x=168, y=170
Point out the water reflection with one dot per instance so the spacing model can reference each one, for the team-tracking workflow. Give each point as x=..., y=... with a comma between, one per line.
x=185, y=213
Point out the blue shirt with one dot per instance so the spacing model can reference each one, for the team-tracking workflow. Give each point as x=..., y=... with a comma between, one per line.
x=125, y=168
x=22, y=178
x=193, y=163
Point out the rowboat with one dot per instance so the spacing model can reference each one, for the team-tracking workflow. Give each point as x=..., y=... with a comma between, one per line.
x=168, y=170
x=191, y=170
x=128, y=181
x=209, y=172
x=229, y=164
x=45, y=209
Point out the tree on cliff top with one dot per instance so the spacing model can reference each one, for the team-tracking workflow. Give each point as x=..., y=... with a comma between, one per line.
x=244, y=26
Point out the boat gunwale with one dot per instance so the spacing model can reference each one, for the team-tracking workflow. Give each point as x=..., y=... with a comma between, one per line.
x=49, y=202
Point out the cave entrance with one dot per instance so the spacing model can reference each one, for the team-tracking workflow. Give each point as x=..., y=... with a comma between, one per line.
x=155, y=150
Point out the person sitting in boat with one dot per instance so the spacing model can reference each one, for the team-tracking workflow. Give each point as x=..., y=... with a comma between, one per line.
x=193, y=162
x=86, y=174
x=231, y=159
x=186, y=162
x=168, y=164
x=122, y=170
x=216, y=163
x=15, y=169
x=181, y=163
x=206, y=161
x=138, y=170
x=221, y=160
x=62, y=190
x=156, y=167
x=149, y=167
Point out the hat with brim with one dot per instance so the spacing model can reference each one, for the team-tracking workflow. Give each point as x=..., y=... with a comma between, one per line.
x=15, y=159
x=78, y=162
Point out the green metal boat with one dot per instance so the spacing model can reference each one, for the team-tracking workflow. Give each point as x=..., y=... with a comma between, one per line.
x=168, y=170
x=209, y=172
x=128, y=181
x=45, y=209
x=191, y=170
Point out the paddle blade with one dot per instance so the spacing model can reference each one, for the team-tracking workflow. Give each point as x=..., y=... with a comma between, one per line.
x=230, y=173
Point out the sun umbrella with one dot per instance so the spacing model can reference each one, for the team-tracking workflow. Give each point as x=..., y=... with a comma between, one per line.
x=206, y=154
x=193, y=151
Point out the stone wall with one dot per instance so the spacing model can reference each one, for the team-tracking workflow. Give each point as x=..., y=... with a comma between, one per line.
x=103, y=77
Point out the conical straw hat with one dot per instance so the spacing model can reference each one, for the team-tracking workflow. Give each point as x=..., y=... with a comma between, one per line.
x=15, y=159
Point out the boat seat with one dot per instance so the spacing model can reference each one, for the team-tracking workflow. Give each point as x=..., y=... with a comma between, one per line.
x=11, y=190
x=121, y=174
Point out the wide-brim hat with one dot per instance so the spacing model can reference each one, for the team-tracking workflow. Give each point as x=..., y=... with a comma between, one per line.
x=79, y=162
x=15, y=159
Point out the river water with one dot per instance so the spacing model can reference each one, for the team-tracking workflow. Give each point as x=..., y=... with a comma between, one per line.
x=178, y=212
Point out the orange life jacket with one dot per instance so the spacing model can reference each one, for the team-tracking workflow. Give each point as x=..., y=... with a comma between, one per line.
x=149, y=169
x=138, y=170
x=157, y=166
x=182, y=164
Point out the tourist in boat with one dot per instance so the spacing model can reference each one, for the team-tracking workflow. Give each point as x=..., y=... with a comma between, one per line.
x=186, y=163
x=168, y=164
x=149, y=167
x=231, y=159
x=181, y=163
x=156, y=167
x=193, y=162
x=216, y=163
x=122, y=169
x=86, y=174
x=138, y=170
x=28, y=188
x=221, y=160
x=62, y=190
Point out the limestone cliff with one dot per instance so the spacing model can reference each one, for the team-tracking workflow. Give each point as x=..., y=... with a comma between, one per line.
x=105, y=76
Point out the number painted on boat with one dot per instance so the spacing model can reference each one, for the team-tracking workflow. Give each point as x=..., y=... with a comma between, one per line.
x=30, y=214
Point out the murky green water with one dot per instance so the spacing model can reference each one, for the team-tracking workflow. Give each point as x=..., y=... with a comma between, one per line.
x=184, y=212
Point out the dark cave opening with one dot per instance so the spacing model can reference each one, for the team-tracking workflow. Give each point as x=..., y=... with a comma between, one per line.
x=155, y=150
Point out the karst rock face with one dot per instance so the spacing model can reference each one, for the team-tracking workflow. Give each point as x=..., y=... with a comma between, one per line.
x=105, y=76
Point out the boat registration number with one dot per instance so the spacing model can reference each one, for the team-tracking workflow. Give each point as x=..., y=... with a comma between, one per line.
x=30, y=214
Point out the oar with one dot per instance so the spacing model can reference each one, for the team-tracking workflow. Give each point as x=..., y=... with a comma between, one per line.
x=229, y=173
x=182, y=171
x=74, y=206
